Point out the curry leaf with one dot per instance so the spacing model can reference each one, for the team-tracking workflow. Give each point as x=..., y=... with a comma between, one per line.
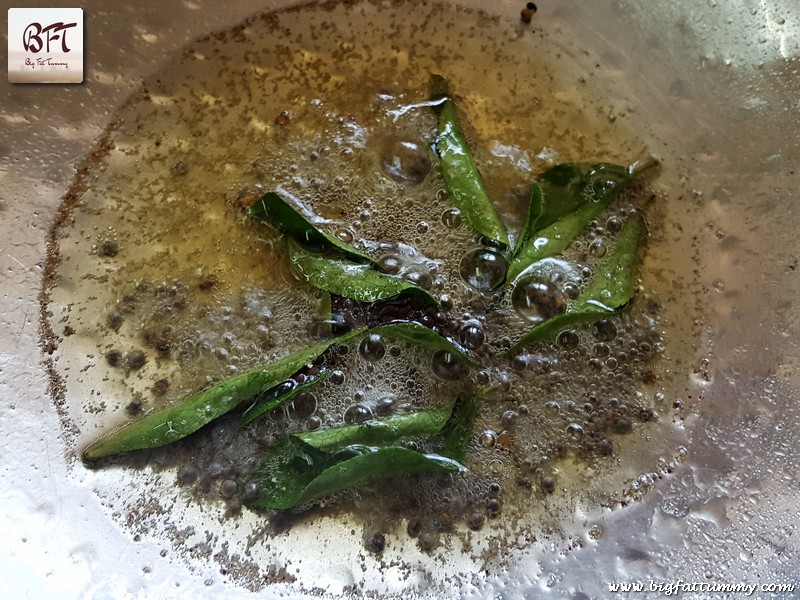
x=611, y=289
x=352, y=280
x=460, y=173
x=418, y=426
x=423, y=336
x=564, y=200
x=174, y=422
x=288, y=480
x=288, y=218
x=279, y=395
x=458, y=430
x=615, y=284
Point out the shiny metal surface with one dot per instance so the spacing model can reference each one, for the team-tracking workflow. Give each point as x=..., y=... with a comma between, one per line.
x=715, y=90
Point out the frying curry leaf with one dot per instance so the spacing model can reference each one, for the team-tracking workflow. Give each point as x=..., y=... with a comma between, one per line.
x=423, y=336
x=564, y=200
x=289, y=219
x=280, y=395
x=459, y=171
x=187, y=416
x=348, y=279
x=458, y=430
x=611, y=289
x=418, y=426
x=296, y=476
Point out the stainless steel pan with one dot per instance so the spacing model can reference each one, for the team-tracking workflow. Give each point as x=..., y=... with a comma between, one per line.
x=714, y=89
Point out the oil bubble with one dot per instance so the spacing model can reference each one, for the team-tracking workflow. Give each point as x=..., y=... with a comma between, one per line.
x=446, y=365
x=488, y=439
x=536, y=299
x=451, y=218
x=344, y=235
x=358, y=413
x=372, y=347
x=484, y=270
x=598, y=248
x=602, y=180
x=405, y=162
x=418, y=275
x=385, y=406
x=575, y=431
x=509, y=419
x=303, y=406
x=471, y=334
x=601, y=349
x=568, y=339
x=614, y=224
x=604, y=330
x=390, y=264
x=552, y=407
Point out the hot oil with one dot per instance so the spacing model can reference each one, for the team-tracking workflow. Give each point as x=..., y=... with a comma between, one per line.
x=166, y=287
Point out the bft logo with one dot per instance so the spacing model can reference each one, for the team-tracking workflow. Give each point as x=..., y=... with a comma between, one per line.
x=32, y=36
x=45, y=45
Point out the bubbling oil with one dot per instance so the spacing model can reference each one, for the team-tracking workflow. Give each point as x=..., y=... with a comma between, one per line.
x=167, y=287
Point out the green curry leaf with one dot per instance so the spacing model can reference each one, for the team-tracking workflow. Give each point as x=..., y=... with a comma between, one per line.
x=564, y=200
x=461, y=176
x=458, y=430
x=426, y=337
x=278, y=396
x=292, y=220
x=352, y=280
x=174, y=422
x=418, y=426
x=611, y=289
x=288, y=479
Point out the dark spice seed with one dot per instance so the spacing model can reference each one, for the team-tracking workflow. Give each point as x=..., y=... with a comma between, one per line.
x=115, y=320
x=134, y=408
x=250, y=492
x=376, y=543
x=494, y=506
x=475, y=521
x=136, y=360
x=187, y=474
x=180, y=168
x=207, y=282
x=109, y=248
x=228, y=488
x=114, y=358
x=426, y=541
x=160, y=387
x=414, y=528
